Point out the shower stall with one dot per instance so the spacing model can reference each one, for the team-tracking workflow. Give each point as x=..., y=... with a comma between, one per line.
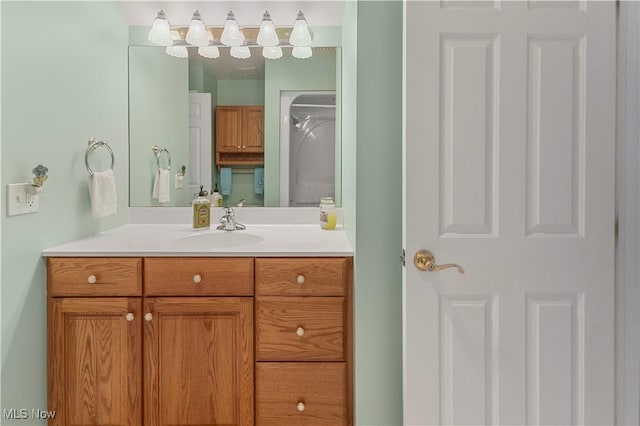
x=307, y=146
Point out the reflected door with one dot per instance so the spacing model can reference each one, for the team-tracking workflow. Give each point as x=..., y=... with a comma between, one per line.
x=509, y=162
x=200, y=142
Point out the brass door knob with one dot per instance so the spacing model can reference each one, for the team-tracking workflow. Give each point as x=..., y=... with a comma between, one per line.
x=425, y=261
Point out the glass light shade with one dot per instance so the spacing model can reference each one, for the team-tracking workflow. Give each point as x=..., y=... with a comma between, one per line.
x=160, y=33
x=301, y=52
x=210, y=52
x=301, y=34
x=197, y=34
x=231, y=34
x=177, y=51
x=267, y=35
x=240, y=52
x=273, y=52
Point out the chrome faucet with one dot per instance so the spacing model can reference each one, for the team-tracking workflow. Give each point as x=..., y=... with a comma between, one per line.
x=228, y=221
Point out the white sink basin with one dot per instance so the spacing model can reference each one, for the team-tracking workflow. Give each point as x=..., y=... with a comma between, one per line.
x=216, y=239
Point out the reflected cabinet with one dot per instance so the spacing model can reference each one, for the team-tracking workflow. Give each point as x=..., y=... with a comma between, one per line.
x=239, y=135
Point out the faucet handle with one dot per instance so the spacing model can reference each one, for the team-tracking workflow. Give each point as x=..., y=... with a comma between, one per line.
x=228, y=211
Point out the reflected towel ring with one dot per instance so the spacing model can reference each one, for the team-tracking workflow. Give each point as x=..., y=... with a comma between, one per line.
x=94, y=144
x=158, y=151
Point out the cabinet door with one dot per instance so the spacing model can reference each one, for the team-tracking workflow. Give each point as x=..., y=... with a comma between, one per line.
x=228, y=128
x=252, y=129
x=198, y=361
x=95, y=361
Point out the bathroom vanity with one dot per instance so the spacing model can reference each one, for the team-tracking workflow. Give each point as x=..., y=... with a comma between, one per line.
x=158, y=325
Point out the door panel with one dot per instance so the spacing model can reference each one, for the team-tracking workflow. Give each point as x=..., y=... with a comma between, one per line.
x=509, y=172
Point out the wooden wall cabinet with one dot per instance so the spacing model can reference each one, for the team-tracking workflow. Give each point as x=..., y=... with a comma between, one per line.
x=170, y=341
x=239, y=135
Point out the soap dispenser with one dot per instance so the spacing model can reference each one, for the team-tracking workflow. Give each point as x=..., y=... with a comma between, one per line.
x=216, y=198
x=201, y=211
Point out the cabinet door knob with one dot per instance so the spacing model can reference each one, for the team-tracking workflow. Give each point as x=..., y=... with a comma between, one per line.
x=130, y=317
x=300, y=331
x=300, y=279
x=197, y=279
x=301, y=406
x=148, y=316
x=244, y=146
x=91, y=279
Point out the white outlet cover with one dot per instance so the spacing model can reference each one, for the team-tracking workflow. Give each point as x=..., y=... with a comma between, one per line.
x=20, y=201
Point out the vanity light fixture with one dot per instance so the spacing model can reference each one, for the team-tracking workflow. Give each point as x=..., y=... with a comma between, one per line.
x=211, y=51
x=267, y=36
x=197, y=34
x=301, y=52
x=177, y=50
x=274, y=52
x=301, y=35
x=231, y=35
x=240, y=52
x=160, y=33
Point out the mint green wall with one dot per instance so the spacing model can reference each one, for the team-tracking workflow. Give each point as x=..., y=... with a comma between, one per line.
x=159, y=115
x=288, y=73
x=63, y=81
x=241, y=92
x=378, y=273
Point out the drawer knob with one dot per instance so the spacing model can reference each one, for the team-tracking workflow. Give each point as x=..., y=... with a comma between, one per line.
x=300, y=331
x=130, y=317
x=300, y=279
x=91, y=279
x=197, y=279
x=148, y=316
x=301, y=406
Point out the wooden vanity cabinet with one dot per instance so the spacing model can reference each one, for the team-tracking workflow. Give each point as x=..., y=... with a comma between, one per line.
x=171, y=341
x=303, y=341
x=95, y=342
x=239, y=135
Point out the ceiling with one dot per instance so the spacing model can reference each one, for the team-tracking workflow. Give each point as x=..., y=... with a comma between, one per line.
x=248, y=13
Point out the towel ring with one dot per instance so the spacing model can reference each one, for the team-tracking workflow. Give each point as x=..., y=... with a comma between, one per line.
x=94, y=144
x=158, y=151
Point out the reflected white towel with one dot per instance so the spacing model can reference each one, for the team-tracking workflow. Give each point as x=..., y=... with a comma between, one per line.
x=161, y=186
x=102, y=190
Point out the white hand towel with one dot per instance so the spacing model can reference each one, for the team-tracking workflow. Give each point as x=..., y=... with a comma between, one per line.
x=102, y=191
x=161, y=186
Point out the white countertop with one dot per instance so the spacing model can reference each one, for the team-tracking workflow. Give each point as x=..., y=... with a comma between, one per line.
x=181, y=240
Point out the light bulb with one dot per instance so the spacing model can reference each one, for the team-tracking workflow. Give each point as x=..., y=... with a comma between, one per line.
x=267, y=36
x=301, y=33
x=301, y=52
x=160, y=33
x=231, y=34
x=240, y=52
x=210, y=52
x=197, y=34
x=177, y=51
x=274, y=52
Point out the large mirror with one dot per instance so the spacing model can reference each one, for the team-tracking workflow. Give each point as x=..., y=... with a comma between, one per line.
x=265, y=132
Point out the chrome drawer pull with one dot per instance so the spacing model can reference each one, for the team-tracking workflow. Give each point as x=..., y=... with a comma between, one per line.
x=301, y=406
x=197, y=279
x=91, y=279
x=130, y=317
x=300, y=331
x=148, y=316
x=300, y=279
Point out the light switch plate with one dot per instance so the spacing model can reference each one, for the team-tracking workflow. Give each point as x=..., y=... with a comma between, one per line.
x=20, y=200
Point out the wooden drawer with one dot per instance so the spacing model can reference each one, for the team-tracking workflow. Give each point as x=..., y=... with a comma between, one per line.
x=301, y=277
x=319, y=386
x=94, y=276
x=173, y=276
x=300, y=328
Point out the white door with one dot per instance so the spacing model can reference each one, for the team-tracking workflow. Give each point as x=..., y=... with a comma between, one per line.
x=509, y=172
x=200, y=141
